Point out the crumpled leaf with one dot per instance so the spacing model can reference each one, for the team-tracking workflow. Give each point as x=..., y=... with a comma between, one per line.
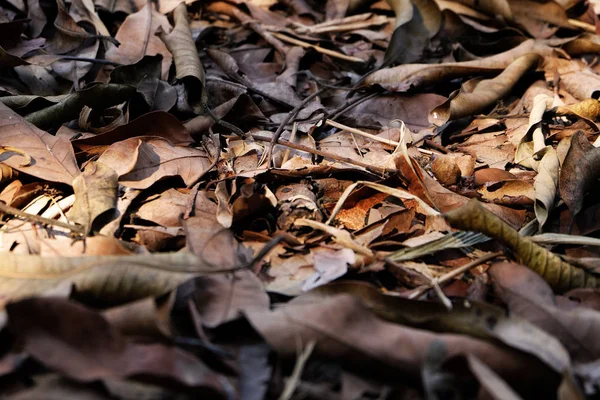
x=403, y=77
x=561, y=275
x=579, y=172
x=98, y=96
x=47, y=157
x=95, y=193
x=476, y=96
x=188, y=67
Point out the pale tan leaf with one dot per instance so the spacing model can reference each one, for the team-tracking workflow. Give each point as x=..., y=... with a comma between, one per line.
x=52, y=157
x=95, y=193
x=111, y=279
x=140, y=162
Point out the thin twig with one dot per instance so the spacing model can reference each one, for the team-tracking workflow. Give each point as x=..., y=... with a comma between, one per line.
x=332, y=156
x=361, y=133
x=290, y=116
x=582, y=25
x=292, y=383
x=6, y=209
x=90, y=60
x=456, y=272
x=322, y=50
x=348, y=106
x=246, y=20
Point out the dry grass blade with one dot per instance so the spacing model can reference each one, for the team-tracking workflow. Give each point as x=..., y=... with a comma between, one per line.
x=454, y=240
x=561, y=275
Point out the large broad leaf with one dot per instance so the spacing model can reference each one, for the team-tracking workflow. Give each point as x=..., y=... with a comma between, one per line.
x=529, y=297
x=110, y=279
x=52, y=157
x=467, y=318
x=140, y=162
x=79, y=343
x=345, y=330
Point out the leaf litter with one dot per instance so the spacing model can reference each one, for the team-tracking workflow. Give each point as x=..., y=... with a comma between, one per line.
x=298, y=199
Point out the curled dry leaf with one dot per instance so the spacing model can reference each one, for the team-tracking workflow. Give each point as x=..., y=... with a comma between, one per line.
x=561, y=275
x=95, y=193
x=579, y=172
x=546, y=184
x=188, y=67
x=476, y=96
x=96, y=96
x=403, y=77
x=112, y=279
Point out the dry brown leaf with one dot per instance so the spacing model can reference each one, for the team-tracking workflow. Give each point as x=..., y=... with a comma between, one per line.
x=478, y=95
x=52, y=157
x=403, y=77
x=110, y=279
x=50, y=331
x=137, y=38
x=529, y=297
x=188, y=66
x=338, y=324
x=140, y=162
x=578, y=172
x=95, y=193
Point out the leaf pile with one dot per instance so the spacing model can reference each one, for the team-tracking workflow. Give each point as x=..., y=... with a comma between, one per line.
x=299, y=199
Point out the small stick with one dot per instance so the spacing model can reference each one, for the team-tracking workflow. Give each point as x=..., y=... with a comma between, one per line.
x=583, y=25
x=246, y=20
x=361, y=133
x=292, y=383
x=332, y=53
x=6, y=209
x=291, y=115
x=335, y=157
x=456, y=272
